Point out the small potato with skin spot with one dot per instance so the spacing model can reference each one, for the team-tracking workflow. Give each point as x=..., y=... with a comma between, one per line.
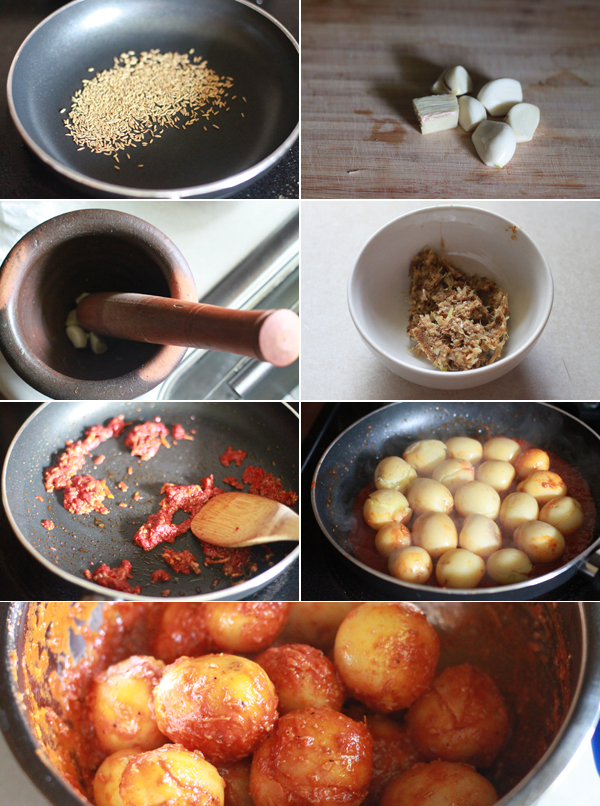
x=244, y=627
x=386, y=506
x=465, y=448
x=303, y=678
x=497, y=474
x=108, y=777
x=393, y=473
x=386, y=654
x=477, y=498
x=531, y=460
x=171, y=775
x=453, y=473
x=435, y=532
x=427, y=495
x=391, y=537
x=480, y=535
x=425, y=455
x=393, y=753
x=181, y=631
x=459, y=568
x=461, y=718
x=120, y=705
x=543, y=485
x=315, y=757
x=501, y=449
x=565, y=514
x=440, y=783
x=411, y=564
x=222, y=705
x=540, y=541
x=509, y=566
x=516, y=509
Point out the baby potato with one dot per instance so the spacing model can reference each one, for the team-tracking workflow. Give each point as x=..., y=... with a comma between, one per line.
x=465, y=448
x=459, y=568
x=222, y=705
x=303, y=677
x=181, y=631
x=425, y=455
x=453, y=473
x=461, y=718
x=516, y=509
x=244, y=627
x=393, y=473
x=386, y=506
x=237, y=782
x=435, y=532
x=501, y=449
x=543, y=485
x=411, y=564
x=108, y=777
x=120, y=705
x=566, y=514
x=533, y=459
x=477, y=498
x=480, y=535
x=497, y=474
x=391, y=537
x=427, y=495
x=509, y=566
x=314, y=757
x=171, y=775
x=315, y=623
x=440, y=783
x=393, y=753
x=540, y=541
x=386, y=654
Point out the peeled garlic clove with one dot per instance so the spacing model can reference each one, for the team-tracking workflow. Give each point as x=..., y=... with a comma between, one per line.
x=96, y=343
x=436, y=112
x=453, y=81
x=71, y=318
x=78, y=336
x=500, y=95
x=82, y=296
x=495, y=143
x=470, y=112
x=523, y=119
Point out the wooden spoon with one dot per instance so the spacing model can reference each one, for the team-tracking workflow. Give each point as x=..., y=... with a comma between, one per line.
x=238, y=520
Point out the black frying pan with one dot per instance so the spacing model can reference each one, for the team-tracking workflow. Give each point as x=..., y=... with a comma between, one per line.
x=237, y=39
x=350, y=462
x=267, y=431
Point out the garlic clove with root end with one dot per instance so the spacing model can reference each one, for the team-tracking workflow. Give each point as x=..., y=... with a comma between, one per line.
x=436, y=113
x=470, y=113
x=495, y=143
x=78, y=336
x=500, y=95
x=96, y=343
x=453, y=81
x=523, y=119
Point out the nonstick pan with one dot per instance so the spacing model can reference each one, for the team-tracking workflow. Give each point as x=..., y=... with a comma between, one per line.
x=350, y=462
x=267, y=431
x=235, y=37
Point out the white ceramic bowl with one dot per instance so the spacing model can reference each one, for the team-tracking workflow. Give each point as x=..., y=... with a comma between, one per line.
x=478, y=242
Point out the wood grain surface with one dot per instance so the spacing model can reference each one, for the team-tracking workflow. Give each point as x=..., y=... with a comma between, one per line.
x=363, y=61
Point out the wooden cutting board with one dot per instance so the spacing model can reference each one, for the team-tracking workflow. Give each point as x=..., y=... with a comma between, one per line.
x=363, y=61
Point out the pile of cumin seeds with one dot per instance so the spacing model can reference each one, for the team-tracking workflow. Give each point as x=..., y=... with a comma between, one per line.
x=140, y=96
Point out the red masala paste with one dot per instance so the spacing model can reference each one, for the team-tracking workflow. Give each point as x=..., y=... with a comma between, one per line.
x=122, y=486
x=48, y=525
x=160, y=575
x=233, y=482
x=145, y=439
x=265, y=484
x=85, y=494
x=73, y=459
x=114, y=578
x=234, y=560
x=182, y=562
x=178, y=432
x=97, y=460
x=232, y=455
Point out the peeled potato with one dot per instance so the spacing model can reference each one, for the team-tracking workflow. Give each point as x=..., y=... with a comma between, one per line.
x=502, y=449
x=108, y=777
x=530, y=461
x=540, y=541
x=425, y=455
x=435, y=532
x=453, y=473
x=477, y=498
x=391, y=537
x=393, y=473
x=516, y=509
x=543, y=485
x=509, y=566
x=459, y=568
x=440, y=783
x=427, y=495
x=244, y=627
x=411, y=564
x=566, y=514
x=465, y=448
x=497, y=474
x=386, y=506
x=480, y=535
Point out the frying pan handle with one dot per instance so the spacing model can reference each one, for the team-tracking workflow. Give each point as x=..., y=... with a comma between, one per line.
x=591, y=568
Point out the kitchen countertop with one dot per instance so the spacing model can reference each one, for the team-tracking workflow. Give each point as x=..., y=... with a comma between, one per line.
x=563, y=365
x=364, y=61
x=23, y=175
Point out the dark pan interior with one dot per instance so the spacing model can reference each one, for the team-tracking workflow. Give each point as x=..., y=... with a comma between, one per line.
x=235, y=39
x=351, y=461
x=267, y=431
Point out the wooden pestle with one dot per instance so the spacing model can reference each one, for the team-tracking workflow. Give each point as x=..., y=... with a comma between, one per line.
x=271, y=336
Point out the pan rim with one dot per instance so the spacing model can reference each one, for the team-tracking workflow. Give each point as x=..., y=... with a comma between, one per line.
x=106, y=594
x=465, y=593
x=208, y=189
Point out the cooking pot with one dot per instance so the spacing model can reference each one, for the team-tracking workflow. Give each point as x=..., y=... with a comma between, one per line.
x=545, y=657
